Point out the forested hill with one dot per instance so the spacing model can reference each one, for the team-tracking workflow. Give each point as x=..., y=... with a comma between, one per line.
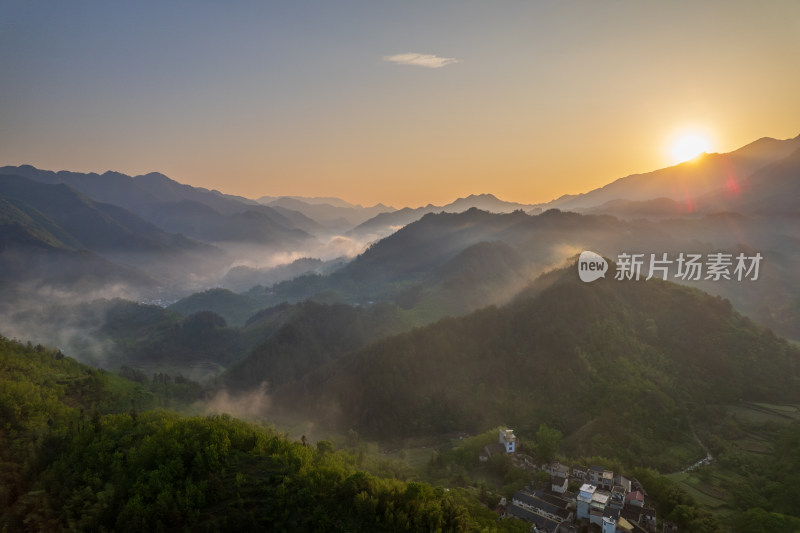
x=620, y=367
x=77, y=453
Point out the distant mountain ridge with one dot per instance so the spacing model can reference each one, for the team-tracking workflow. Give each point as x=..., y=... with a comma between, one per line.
x=62, y=226
x=386, y=223
x=688, y=181
x=773, y=190
x=95, y=225
x=338, y=216
x=154, y=197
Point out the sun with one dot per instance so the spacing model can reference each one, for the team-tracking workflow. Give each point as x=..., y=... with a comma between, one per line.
x=688, y=146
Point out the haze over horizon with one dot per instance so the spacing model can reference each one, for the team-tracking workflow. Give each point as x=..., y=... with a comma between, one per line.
x=403, y=104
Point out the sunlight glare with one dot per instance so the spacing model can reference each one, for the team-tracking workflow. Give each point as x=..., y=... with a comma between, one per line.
x=688, y=147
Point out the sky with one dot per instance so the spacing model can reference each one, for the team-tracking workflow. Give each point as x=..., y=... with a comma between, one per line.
x=400, y=102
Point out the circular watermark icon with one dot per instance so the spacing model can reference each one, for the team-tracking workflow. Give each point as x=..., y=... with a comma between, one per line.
x=591, y=266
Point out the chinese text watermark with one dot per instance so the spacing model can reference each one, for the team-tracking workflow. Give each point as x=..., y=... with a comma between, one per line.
x=684, y=267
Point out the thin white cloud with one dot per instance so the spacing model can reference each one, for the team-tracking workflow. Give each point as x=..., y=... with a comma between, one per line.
x=420, y=60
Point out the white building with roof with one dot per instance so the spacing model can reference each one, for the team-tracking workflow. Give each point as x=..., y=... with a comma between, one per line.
x=597, y=507
x=585, y=499
x=509, y=440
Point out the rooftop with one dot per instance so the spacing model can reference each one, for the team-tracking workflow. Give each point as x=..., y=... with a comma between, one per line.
x=535, y=518
x=560, y=501
x=538, y=503
x=638, y=496
x=508, y=435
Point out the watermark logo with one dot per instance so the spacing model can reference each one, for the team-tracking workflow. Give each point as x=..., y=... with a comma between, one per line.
x=691, y=267
x=719, y=266
x=591, y=266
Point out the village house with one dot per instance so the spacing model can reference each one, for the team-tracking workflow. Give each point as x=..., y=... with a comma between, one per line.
x=610, y=519
x=580, y=473
x=535, y=503
x=508, y=440
x=585, y=499
x=623, y=482
x=604, y=504
x=635, y=498
x=545, y=513
x=507, y=444
x=597, y=507
x=643, y=517
x=617, y=497
x=541, y=524
x=601, y=477
x=559, y=484
x=565, y=502
x=624, y=526
x=557, y=469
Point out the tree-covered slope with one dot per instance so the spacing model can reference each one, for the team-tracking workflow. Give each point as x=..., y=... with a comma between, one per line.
x=234, y=308
x=73, y=457
x=95, y=225
x=300, y=338
x=616, y=366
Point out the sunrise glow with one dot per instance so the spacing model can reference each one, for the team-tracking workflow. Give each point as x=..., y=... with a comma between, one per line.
x=688, y=146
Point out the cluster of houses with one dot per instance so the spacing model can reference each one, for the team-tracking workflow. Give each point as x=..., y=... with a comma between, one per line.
x=605, y=503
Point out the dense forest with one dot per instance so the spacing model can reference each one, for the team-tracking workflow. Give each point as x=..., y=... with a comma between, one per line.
x=76, y=455
x=622, y=369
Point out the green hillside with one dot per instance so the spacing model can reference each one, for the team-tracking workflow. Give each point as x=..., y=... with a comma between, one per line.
x=621, y=368
x=234, y=308
x=298, y=339
x=74, y=456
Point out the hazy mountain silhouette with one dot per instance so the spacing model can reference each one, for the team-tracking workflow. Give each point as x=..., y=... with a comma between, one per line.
x=203, y=222
x=242, y=278
x=337, y=216
x=773, y=190
x=298, y=220
x=149, y=195
x=408, y=267
x=484, y=202
x=33, y=249
x=95, y=225
x=236, y=309
x=651, y=209
x=318, y=200
x=401, y=267
x=386, y=223
x=61, y=217
x=687, y=181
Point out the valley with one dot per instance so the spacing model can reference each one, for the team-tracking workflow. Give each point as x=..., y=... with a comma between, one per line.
x=379, y=350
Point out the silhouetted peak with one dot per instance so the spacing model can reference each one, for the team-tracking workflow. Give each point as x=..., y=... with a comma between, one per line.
x=114, y=174
x=155, y=176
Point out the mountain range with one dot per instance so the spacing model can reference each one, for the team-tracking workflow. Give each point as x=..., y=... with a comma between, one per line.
x=338, y=216
x=163, y=240
x=687, y=182
x=199, y=213
x=437, y=321
x=599, y=361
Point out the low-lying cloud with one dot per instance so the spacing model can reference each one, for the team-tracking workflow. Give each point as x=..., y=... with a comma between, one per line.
x=250, y=406
x=421, y=60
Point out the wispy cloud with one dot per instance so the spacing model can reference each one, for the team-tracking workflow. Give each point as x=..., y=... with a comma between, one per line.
x=421, y=60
